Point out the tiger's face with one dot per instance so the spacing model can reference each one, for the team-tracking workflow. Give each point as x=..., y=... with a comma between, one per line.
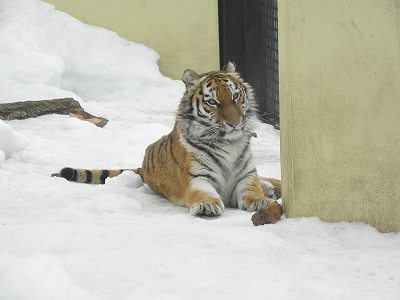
x=217, y=99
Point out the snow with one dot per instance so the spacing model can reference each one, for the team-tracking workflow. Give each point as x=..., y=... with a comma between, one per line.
x=60, y=240
x=42, y=277
x=10, y=141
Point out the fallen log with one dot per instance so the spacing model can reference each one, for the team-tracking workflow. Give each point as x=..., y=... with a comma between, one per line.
x=32, y=109
x=85, y=116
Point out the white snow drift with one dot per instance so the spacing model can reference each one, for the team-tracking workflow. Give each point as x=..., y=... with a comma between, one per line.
x=10, y=141
x=39, y=277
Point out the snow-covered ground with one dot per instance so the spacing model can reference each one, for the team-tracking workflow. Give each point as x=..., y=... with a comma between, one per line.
x=60, y=240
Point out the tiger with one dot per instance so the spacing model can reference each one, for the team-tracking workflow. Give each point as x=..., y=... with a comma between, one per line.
x=205, y=163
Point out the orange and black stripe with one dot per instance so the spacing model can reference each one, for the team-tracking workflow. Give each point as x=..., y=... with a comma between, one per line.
x=89, y=176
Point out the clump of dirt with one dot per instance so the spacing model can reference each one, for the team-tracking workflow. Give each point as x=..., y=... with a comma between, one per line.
x=268, y=215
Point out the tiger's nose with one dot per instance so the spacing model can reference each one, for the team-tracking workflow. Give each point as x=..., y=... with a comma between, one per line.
x=233, y=123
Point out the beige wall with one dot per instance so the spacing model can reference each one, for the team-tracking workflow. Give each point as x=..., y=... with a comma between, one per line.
x=340, y=110
x=183, y=32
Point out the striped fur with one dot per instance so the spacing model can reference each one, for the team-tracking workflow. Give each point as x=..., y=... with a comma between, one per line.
x=205, y=163
x=88, y=176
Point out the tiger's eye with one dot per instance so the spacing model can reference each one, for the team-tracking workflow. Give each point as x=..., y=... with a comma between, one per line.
x=212, y=102
x=235, y=96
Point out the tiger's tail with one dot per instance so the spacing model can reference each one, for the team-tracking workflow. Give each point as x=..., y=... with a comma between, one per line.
x=91, y=176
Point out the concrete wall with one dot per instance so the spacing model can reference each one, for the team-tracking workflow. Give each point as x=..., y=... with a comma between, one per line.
x=340, y=110
x=183, y=32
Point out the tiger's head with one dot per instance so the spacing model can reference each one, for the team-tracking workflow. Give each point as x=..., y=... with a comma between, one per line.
x=217, y=102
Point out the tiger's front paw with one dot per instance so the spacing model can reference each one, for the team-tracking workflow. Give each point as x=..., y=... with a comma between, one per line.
x=207, y=209
x=269, y=189
x=254, y=204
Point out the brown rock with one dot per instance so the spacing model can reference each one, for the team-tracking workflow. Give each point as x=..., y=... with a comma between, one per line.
x=267, y=215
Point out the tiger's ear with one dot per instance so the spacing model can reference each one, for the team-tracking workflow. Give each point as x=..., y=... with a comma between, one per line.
x=189, y=77
x=230, y=67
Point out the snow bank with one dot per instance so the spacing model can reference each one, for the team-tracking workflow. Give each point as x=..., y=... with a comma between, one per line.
x=39, y=277
x=10, y=141
x=125, y=179
x=56, y=55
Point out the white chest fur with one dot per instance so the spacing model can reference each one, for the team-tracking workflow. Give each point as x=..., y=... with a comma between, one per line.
x=221, y=164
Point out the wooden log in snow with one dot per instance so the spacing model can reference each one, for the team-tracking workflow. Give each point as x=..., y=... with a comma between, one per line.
x=32, y=109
